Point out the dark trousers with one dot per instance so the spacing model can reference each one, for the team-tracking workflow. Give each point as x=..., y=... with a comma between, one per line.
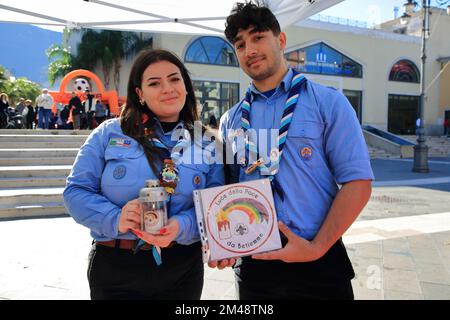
x=119, y=274
x=89, y=118
x=326, y=278
x=45, y=117
x=29, y=123
x=100, y=120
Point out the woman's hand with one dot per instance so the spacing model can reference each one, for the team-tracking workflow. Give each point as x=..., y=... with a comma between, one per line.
x=130, y=217
x=165, y=237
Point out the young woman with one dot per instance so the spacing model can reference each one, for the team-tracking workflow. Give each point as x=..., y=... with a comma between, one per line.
x=113, y=165
x=4, y=105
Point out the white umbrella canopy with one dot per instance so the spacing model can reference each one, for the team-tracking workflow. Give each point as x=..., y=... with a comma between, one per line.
x=160, y=16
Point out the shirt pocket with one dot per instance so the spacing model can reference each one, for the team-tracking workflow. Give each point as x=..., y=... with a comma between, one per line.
x=123, y=166
x=304, y=144
x=192, y=177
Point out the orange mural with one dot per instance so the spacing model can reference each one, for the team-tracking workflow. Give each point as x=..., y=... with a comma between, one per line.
x=109, y=97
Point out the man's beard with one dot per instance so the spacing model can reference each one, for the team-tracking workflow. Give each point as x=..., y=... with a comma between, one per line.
x=264, y=73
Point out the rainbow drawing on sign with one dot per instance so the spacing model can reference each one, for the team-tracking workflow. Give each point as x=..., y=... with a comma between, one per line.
x=254, y=210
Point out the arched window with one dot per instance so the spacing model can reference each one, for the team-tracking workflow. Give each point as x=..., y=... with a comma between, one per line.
x=322, y=59
x=404, y=71
x=211, y=50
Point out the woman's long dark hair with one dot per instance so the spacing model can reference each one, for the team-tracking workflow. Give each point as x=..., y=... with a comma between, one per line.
x=131, y=117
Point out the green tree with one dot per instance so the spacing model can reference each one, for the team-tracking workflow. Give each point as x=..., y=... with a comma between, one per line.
x=22, y=88
x=4, y=78
x=17, y=88
x=107, y=48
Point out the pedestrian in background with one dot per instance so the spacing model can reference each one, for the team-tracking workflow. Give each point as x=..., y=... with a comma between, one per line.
x=77, y=110
x=100, y=112
x=45, y=104
x=31, y=115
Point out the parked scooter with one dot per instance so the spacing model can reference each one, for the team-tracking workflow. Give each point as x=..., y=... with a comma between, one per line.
x=12, y=120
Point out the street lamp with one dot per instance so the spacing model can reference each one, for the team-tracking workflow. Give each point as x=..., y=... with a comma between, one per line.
x=410, y=6
x=408, y=9
x=421, y=149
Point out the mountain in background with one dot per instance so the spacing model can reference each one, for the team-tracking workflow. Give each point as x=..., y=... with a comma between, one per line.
x=22, y=50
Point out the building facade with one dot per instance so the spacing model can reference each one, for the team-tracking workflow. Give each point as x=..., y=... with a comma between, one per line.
x=377, y=69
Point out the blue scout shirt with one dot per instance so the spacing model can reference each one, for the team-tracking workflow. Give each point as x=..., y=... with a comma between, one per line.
x=109, y=171
x=326, y=129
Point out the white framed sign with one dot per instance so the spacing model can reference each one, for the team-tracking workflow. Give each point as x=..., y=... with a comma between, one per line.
x=237, y=220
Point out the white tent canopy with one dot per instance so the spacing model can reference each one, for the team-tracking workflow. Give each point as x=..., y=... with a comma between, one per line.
x=167, y=16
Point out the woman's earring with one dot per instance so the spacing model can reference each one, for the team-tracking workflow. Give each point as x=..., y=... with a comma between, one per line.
x=142, y=102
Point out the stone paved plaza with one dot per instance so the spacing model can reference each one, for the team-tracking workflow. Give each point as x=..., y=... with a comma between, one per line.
x=399, y=246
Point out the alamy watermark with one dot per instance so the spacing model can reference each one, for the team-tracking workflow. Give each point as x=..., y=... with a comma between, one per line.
x=228, y=147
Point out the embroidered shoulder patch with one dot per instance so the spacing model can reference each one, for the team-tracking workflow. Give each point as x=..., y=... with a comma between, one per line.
x=117, y=142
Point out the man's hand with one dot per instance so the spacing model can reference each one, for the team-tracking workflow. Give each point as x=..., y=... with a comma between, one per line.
x=296, y=250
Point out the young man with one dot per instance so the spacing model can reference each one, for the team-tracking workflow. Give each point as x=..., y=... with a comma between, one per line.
x=323, y=148
x=45, y=103
x=77, y=111
x=89, y=107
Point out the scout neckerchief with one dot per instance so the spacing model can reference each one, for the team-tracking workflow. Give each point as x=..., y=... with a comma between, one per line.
x=272, y=167
x=169, y=175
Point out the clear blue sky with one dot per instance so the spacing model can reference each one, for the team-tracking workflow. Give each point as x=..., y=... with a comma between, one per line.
x=371, y=11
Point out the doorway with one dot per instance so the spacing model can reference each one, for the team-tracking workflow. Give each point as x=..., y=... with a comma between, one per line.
x=403, y=112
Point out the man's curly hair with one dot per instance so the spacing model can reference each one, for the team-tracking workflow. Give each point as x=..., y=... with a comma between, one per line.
x=247, y=14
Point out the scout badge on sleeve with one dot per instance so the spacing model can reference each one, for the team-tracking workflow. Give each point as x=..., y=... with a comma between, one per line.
x=169, y=176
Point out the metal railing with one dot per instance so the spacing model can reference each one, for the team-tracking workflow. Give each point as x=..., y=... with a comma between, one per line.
x=342, y=21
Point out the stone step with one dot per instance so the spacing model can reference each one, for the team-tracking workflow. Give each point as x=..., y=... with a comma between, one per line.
x=438, y=154
x=34, y=171
x=377, y=153
x=30, y=198
x=431, y=141
x=30, y=210
x=23, y=182
x=41, y=144
x=41, y=138
x=5, y=192
x=31, y=202
x=38, y=153
x=438, y=146
x=44, y=132
x=25, y=161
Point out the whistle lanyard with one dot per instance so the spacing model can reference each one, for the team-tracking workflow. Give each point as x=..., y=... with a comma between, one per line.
x=175, y=155
x=251, y=150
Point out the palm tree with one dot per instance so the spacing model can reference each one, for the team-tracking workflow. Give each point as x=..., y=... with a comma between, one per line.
x=61, y=64
x=131, y=44
x=109, y=48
